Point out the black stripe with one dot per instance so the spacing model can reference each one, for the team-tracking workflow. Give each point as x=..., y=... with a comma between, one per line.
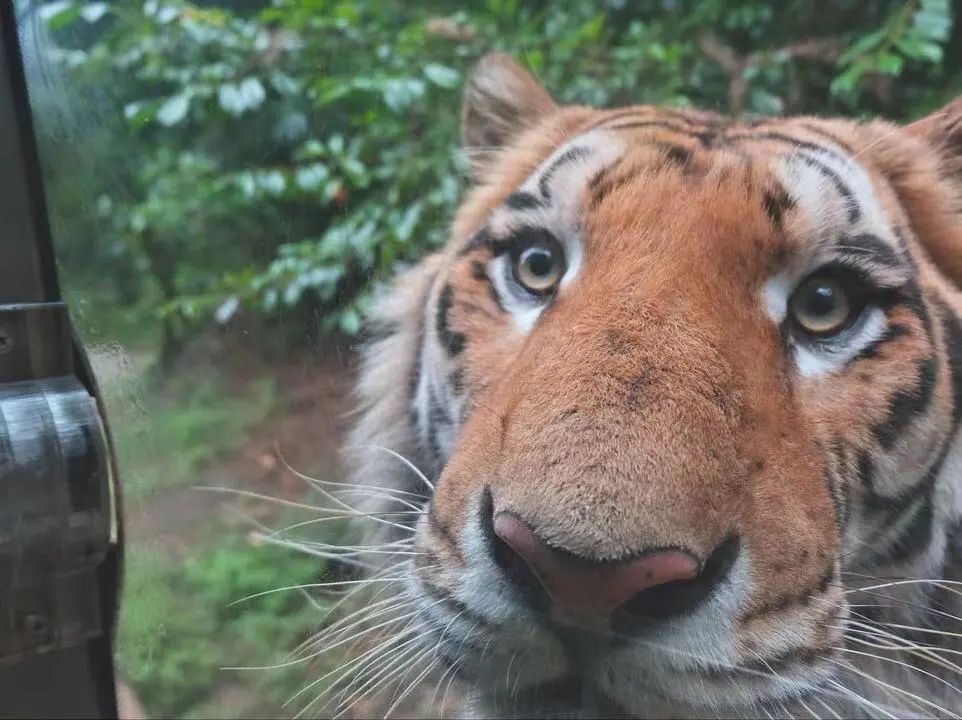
x=456, y=380
x=953, y=554
x=800, y=599
x=657, y=124
x=854, y=211
x=866, y=246
x=837, y=486
x=569, y=156
x=831, y=137
x=783, y=138
x=480, y=273
x=482, y=239
x=907, y=404
x=952, y=343
x=866, y=471
x=522, y=200
x=415, y=378
x=912, y=299
x=894, y=505
x=676, y=154
x=776, y=203
x=605, y=123
x=917, y=535
x=707, y=138
x=453, y=342
x=606, y=182
x=711, y=138
x=953, y=351
x=437, y=416
x=770, y=665
x=522, y=237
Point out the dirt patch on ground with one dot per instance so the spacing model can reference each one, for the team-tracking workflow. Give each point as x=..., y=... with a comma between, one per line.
x=304, y=431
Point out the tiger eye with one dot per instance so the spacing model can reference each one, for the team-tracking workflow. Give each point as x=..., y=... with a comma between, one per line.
x=821, y=306
x=538, y=268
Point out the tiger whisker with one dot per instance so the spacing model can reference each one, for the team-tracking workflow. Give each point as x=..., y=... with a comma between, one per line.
x=377, y=660
x=900, y=691
x=827, y=707
x=378, y=674
x=910, y=581
x=910, y=603
x=906, y=665
x=411, y=687
x=346, y=485
x=327, y=647
x=336, y=583
x=860, y=699
x=317, y=521
x=349, y=666
x=369, y=611
x=411, y=466
x=301, y=548
x=930, y=651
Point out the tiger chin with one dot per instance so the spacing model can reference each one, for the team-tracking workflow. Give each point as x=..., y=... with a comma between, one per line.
x=673, y=419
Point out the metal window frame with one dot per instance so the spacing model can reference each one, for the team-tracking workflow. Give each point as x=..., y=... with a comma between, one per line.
x=64, y=664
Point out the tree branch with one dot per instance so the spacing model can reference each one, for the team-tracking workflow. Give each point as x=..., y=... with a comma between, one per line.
x=736, y=66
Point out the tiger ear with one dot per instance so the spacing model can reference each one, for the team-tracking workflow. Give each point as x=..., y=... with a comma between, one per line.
x=500, y=100
x=942, y=131
x=928, y=180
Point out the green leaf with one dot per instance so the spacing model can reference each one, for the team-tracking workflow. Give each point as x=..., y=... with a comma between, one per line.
x=399, y=93
x=93, y=11
x=139, y=112
x=350, y=322
x=442, y=76
x=237, y=99
x=58, y=15
x=311, y=177
x=863, y=45
x=929, y=51
x=890, y=64
x=173, y=110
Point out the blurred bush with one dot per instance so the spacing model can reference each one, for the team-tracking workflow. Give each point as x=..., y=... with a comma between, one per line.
x=276, y=157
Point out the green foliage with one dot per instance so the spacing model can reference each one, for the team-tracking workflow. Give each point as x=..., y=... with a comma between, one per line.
x=265, y=156
x=224, y=576
x=171, y=615
x=164, y=643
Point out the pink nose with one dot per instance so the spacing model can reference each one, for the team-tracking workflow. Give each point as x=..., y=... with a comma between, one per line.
x=580, y=587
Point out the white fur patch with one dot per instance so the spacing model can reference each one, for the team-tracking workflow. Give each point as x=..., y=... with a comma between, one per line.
x=561, y=216
x=828, y=215
x=819, y=360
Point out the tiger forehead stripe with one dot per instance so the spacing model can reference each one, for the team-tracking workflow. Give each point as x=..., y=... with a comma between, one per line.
x=549, y=197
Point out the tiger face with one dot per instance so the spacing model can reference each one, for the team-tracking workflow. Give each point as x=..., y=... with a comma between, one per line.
x=683, y=391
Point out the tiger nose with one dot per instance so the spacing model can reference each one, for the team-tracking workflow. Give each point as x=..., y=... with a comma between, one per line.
x=582, y=588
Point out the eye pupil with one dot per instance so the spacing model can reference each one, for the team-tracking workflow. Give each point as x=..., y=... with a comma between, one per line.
x=539, y=262
x=538, y=265
x=821, y=300
x=823, y=306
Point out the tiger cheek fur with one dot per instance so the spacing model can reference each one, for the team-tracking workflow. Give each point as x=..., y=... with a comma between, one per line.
x=646, y=479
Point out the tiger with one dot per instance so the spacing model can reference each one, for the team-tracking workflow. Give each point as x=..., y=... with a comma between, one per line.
x=670, y=425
